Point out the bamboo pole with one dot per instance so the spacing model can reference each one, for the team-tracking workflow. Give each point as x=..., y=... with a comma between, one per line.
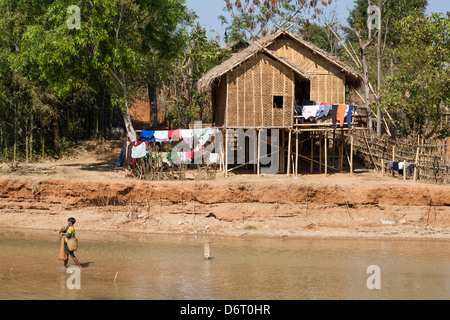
x=341, y=153
x=320, y=152
x=259, y=153
x=404, y=170
x=326, y=153
x=283, y=153
x=296, y=154
x=416, y=167
x=312, y=154
x=351, y=155
x=226, y=154
x=289, y=154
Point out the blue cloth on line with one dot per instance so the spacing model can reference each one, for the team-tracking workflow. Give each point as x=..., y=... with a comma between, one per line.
x=147, y=136
x=349, y=116
x=395, y=166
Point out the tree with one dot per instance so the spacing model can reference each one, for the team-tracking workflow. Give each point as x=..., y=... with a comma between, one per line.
x=253, y=19
x=200, y=55
x=114, y=39
x=420, y=87
x=387, y=41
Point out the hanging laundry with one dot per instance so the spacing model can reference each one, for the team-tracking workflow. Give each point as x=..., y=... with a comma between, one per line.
x=202, y=135
x=147, y=136
x=189, y=155
x=334, y=110
x=139, y=150
x=188, y=137
x=324, y=112
x=349, y=116
x=310, y=112
x=174, y=135
x=395, y=166
x=341, y=114
x=214, y=157
x=120, y=162
x=200, y=148
x=162, y=136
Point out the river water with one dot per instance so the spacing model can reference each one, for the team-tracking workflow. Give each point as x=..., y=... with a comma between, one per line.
x=172, y=267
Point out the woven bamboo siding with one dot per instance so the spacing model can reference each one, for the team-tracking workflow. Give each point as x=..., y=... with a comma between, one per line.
x=328, y=88
x=251, y=88
x=328, y=84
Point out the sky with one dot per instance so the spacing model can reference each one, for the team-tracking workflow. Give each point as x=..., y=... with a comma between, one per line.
x=209, y=10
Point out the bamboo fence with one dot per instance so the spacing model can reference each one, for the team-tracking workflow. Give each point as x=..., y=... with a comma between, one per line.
x=431, y=159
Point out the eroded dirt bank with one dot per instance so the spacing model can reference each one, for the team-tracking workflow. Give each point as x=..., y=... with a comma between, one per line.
x=238, y=207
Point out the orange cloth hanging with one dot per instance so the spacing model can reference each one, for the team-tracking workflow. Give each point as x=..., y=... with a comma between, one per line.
x=341, y=114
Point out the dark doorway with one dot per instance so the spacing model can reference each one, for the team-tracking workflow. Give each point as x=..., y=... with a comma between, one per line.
x=302, y=90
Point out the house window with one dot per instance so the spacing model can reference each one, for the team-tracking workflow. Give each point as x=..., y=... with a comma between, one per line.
x=278, y=102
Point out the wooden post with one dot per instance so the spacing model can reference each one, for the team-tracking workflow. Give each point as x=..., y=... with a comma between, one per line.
x=416, y=167
x=334, y=148
x=226, y=154
x=393, y=153
x=296, y=153
x=312, y=152
x=283, y=154
x=351, y=155
x=341, y=153
x=259, y=153
x=320, y=152
x=326, y=153
x=382, y=167
x=404, y=170
x=255, y=151
x=289, y=154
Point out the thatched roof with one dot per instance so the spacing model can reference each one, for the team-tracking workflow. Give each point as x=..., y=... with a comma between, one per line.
x=260, y=45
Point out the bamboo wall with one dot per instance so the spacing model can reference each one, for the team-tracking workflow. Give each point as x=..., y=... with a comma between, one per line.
x=250, y=92
x=328, y=83
x=429, y=156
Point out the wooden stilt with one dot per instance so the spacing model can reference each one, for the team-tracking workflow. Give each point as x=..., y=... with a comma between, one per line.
x=296, y=154
x=226, y=154
x=312, y=153
x=334, y=148
x=404, y=170
x=283, y=154
x=289, y=154
x=326, y=153
x=417, y=164
x=320, y=152
x=259, y=153
x=341, y=153
x=351, y=155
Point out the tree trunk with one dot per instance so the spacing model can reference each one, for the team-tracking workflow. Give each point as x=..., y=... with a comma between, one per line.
x=379, y=79
x=153, y=99
x=131, y=133
x=362, y=53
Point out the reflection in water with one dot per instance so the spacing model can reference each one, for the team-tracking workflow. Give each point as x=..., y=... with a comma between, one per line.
x=173, y=267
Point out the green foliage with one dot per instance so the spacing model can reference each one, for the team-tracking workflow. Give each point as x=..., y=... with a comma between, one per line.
x=421, y=86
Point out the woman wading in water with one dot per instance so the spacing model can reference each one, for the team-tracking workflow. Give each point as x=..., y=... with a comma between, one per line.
x=67, y=233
